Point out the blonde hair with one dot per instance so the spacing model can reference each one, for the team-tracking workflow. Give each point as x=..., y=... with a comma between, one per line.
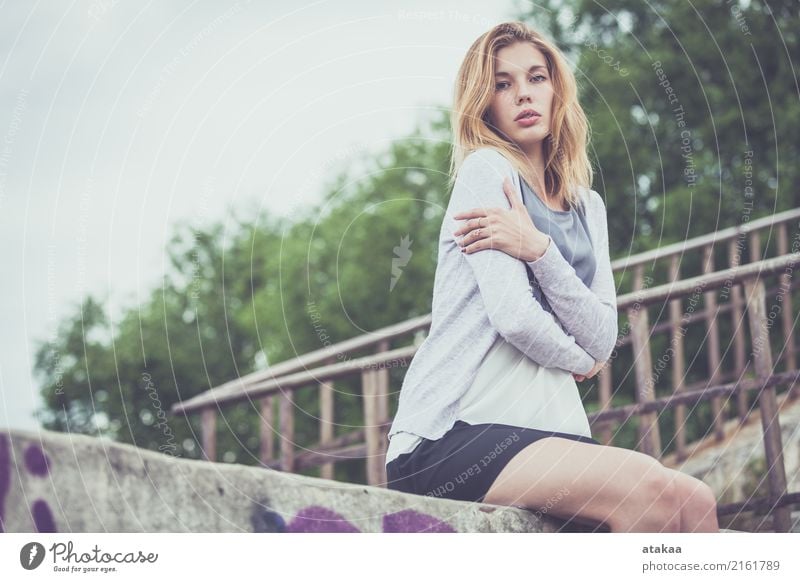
x=565, y=159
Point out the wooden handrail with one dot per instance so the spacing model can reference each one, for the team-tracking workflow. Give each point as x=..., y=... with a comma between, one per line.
x=303, y=362
x=719, y=236
x=401, y=329
x=628, y=411
x=707, y=282
x=292, y=382
x=268, y=384
x=306, y=361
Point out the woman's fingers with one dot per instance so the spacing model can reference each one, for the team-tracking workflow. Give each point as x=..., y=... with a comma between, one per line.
x=479, y=246
x=598, y=366
x=495, y=228
x=470, y=224
x=478, y=239
x=476, y=234
x=474, y=229
x=471, y=213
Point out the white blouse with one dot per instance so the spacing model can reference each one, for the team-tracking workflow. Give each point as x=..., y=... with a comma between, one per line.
x=512, y=389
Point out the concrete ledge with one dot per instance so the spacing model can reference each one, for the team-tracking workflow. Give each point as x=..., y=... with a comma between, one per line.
x=62, y=482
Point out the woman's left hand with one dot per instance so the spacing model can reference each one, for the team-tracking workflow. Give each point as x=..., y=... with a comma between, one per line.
x=598, y=367
x=511, y=231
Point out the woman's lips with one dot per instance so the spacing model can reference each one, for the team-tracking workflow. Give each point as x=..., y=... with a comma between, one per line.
x=528, y=121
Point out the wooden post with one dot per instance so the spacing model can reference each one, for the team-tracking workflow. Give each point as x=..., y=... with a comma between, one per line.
x=209, y=429
x=737, y=321
x=326, y=421
x=768, y=407
x=267, y=431
x=287, y=430
x=755, y=246
x=678, y=360
x=383, y=384
x=605, y=403
x=713, y=354
x=382, y=395
x=785, y=292
x=649, y=435
x=369, y=390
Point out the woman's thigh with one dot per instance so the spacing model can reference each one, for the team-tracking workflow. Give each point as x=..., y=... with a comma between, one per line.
x=572, y=478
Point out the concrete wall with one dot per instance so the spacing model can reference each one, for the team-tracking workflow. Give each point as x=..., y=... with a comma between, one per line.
x=55, y=482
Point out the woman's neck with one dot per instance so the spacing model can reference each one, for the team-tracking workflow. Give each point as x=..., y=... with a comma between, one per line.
x=534, y=174
x=535, y=178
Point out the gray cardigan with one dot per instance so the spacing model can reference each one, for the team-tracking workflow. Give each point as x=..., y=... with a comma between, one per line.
x=479, y=295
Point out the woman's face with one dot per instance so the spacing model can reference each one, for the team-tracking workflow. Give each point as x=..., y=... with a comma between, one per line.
x=521, y=82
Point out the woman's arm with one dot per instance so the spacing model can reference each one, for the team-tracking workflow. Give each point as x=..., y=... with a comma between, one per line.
x=588, y=313
x=502, y=279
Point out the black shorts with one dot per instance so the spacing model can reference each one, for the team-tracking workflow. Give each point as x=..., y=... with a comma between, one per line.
x=465, y=461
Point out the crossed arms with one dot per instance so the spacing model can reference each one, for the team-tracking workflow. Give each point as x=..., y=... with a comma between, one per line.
x=588, y=314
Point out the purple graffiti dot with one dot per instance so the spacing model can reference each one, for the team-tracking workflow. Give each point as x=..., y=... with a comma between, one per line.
x=410, y=521
x=36, y=461
x=5, y=476
x=43, y=518
x=316, y=519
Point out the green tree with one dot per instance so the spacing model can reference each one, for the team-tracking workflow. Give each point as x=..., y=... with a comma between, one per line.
x=245, y=292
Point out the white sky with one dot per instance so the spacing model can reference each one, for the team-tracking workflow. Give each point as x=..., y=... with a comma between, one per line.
x=119, y=118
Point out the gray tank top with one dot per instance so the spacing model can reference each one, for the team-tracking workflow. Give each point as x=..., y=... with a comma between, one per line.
x=569, y=232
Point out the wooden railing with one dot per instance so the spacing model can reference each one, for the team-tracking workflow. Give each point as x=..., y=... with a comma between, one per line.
x=742, y=285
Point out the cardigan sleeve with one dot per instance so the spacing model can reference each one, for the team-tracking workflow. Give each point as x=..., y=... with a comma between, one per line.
x=502, y=279
x=588, y=313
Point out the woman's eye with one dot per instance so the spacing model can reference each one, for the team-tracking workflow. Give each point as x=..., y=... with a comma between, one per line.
x=504, y=84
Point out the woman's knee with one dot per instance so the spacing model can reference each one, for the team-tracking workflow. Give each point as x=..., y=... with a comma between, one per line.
x=706, y=496
x=700, y=501
x=663, y=489
x=654, y=505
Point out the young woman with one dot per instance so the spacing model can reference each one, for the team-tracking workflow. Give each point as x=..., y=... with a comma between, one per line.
x=524, y=304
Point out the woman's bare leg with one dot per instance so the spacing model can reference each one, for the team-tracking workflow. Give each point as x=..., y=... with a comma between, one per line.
x=627, y=490
x=698, y=504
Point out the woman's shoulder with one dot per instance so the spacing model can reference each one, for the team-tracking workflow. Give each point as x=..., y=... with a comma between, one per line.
x=488, y=156
x=480, y=172
x=592, y=200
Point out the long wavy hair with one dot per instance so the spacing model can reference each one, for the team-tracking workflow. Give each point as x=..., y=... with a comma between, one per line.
x=566, y=162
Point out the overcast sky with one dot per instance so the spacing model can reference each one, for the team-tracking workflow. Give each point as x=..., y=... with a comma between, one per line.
x=120, y=118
